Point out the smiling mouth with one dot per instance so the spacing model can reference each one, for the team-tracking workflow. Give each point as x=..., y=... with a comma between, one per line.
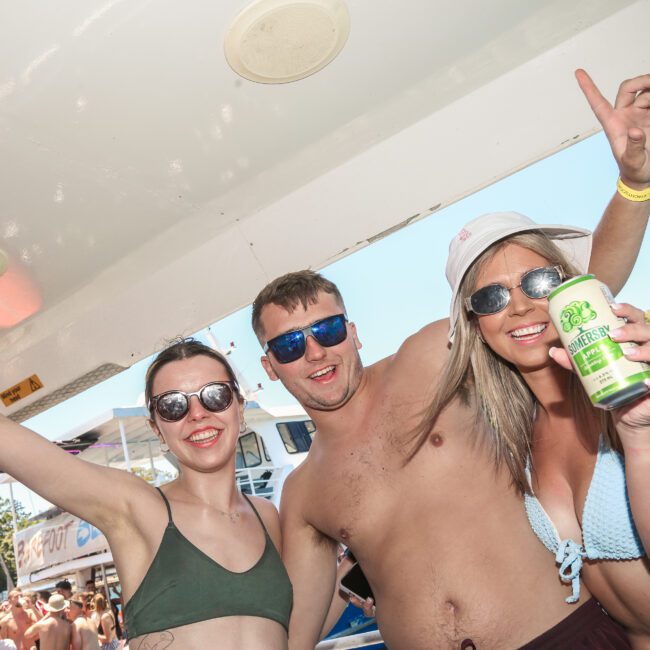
x=203, y=437
x=528, y=333
x=323, y=373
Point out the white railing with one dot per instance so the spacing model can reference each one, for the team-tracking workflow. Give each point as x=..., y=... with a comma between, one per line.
x=362, y=640
x=250, y=479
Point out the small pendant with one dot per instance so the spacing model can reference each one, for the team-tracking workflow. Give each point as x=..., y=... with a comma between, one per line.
x=233, y=516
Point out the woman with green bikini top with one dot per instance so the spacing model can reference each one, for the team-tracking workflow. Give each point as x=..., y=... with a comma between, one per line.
x=199, y=563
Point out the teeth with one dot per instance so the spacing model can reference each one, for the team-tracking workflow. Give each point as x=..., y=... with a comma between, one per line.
x=528, y=331
x=322, y=372
x=203, y=436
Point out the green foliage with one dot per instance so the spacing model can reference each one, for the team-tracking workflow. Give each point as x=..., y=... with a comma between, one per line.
x=6, y=536
x=148, y=475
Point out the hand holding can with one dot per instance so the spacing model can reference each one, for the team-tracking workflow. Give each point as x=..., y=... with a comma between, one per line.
x=587, y=326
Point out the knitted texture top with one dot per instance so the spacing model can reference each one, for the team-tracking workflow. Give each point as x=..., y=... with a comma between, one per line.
x=608, y=530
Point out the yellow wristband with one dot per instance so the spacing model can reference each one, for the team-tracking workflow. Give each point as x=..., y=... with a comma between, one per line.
x=646, y=316
x=632, y=195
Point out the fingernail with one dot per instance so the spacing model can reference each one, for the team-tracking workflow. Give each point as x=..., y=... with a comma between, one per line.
x=632, y=353
x=614, y=334
x=551, y=352
x=615, y=305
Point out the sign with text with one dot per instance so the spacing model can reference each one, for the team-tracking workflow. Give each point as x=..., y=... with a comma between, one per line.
x=23, y=389
x=54, y=541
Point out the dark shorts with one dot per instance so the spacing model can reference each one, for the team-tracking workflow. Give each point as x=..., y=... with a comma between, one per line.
x=588, y=628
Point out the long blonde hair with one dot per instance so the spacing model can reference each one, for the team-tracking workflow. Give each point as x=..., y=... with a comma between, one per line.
x=504, y=406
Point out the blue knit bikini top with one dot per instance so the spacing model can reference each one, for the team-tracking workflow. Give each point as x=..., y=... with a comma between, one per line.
x=608, y=529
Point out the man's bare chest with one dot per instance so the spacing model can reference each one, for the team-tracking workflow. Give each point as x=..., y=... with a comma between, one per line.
x=351, y=492
x=367, y=481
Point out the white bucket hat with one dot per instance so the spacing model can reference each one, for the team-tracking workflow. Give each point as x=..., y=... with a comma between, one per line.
x=479, y=234
x=56, y=603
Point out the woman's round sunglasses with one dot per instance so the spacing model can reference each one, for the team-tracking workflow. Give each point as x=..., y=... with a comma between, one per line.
x=290, y=346
x=536, y=283
x=173, y=405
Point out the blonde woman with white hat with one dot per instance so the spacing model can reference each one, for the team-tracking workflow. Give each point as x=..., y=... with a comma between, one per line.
x=585, y=481
x=565, y=456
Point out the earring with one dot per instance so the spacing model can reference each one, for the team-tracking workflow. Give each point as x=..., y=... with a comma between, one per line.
x=243, y=427
x=164, y=447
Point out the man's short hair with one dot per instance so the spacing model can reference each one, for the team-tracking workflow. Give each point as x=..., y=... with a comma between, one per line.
x=287, y=291
x=63, y=584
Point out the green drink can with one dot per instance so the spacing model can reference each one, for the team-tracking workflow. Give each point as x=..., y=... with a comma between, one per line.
x=580, y=311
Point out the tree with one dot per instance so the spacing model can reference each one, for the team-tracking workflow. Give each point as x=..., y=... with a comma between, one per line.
x=6, y=536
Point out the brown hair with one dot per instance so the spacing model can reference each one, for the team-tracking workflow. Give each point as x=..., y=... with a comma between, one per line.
x=99, y=603
x=180, y=349
x=503, y=403
x=287, y=291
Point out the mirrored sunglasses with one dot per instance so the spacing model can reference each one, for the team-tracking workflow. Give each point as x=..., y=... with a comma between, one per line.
x=291, y=346
x=536, y=283
x=173, y=405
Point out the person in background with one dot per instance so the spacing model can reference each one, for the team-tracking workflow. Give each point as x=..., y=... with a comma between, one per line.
x=18, y=620
x=64, y=587
x=106, y=623
x=84, y=631
x=43, y=597
x=53, y=631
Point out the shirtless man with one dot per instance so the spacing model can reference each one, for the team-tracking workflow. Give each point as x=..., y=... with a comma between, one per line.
x=14, y=625
x=443, y=537
x=84, y=630
x=54, y=631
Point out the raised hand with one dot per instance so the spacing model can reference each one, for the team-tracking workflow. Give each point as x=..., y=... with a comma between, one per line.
x=626, y=125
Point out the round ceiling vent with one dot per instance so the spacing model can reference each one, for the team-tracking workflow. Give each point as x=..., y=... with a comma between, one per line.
x=277, y=41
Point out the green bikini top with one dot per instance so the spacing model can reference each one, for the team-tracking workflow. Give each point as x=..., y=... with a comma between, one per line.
x=183, y=585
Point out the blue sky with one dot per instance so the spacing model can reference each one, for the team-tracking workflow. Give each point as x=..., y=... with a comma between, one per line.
x=397, y=285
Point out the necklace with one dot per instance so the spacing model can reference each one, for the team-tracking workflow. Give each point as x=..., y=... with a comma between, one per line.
x=233, y=516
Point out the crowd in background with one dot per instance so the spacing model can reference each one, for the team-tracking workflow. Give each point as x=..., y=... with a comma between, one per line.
x=62, y=619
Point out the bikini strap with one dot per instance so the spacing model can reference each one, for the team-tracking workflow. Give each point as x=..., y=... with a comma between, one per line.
x=169, y=510
x=257, y=514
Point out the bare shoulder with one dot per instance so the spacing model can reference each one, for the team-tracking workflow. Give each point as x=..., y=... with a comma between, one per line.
x=266, y=510
x=297, y=477
x=269, y=514
x=422, y=355
x=143, y=507
x=430, y=342
x=45, y=624
x=141, y=494
x=294, y=491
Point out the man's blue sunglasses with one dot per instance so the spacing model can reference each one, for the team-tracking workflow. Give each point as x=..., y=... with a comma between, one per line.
x=291, y=346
